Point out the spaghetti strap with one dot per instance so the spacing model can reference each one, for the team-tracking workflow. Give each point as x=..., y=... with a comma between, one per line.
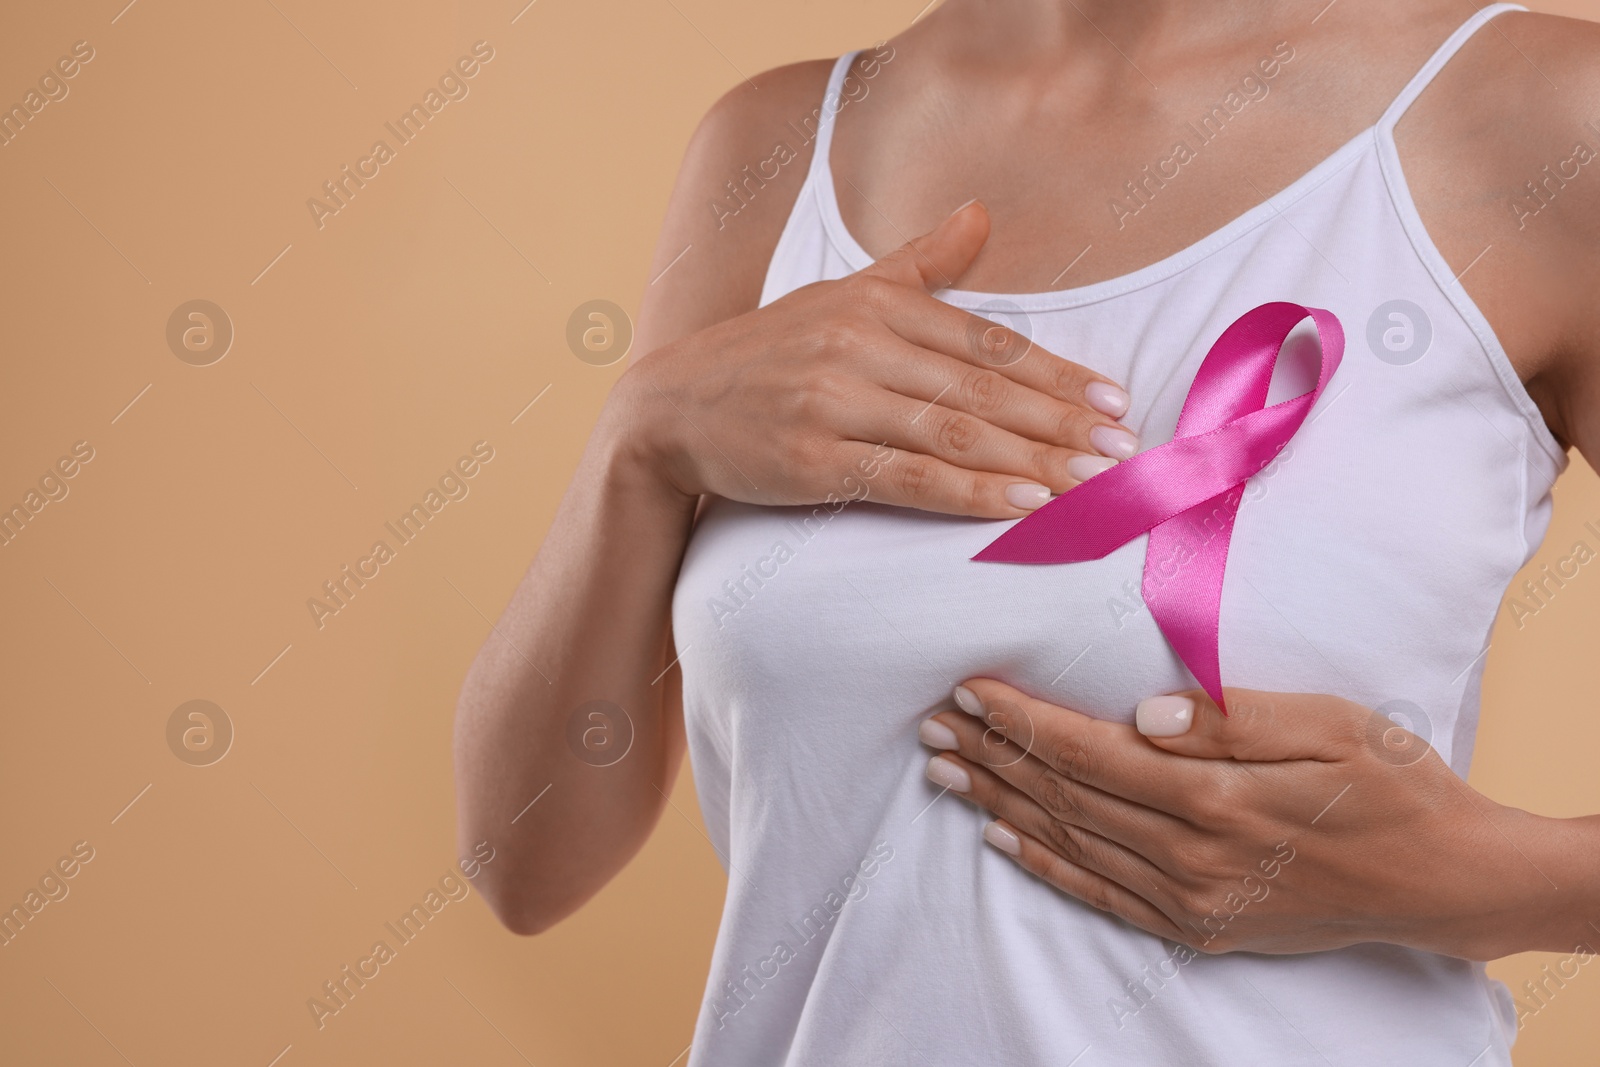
x=1437, y=61
x=826, y=112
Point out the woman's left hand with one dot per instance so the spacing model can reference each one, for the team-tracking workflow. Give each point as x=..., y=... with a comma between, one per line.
x=1295, y=823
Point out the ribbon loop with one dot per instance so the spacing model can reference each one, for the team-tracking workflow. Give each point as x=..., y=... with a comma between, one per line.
x=1186, y=493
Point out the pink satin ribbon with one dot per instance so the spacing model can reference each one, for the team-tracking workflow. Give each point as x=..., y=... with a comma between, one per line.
x=1186, y=492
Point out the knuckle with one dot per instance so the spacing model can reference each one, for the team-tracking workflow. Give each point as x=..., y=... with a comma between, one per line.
x=812, y=452
x=980, y=391
x=995, y=345
x=838, y=334
x=1070, y=756
x=1208, y=807
x=873, y=293
x=1226, y=797
x=1072, y=425
x=1066, y=841
x=1190, y=901
x=973, y=494
x=1250, y=716
x=1065, y=380
x=1057, y=796
x=957, y=433
x=1196, y=860
x=914, y=476
x=1048, y=462
x=826, y=390
x=1098, y=896
x=900, y=255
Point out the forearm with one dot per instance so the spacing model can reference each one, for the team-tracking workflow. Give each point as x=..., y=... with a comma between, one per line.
x=588, y=622
x=1548, y=894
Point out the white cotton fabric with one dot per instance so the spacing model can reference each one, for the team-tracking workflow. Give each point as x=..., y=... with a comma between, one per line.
x=866, y=921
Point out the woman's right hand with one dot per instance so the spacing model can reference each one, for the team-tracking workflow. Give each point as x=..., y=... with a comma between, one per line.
x=794, y=402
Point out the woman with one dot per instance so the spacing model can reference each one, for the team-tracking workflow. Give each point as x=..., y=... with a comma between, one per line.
x=1299, y=881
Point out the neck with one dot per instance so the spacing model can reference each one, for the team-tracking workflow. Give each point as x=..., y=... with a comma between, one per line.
x=1022, y=32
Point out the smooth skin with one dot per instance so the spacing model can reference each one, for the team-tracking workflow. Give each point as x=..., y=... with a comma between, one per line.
x=1043, y=109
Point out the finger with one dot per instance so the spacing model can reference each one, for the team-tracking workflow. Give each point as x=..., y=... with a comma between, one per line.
x=911, y=479
x=978, y=342
x=1259, y=726
x=1142, y=830
x=939, y=257
x=1095, y=890
x=1109, y=756
x=931, y=377
x=964, y=440
x=1081, y=846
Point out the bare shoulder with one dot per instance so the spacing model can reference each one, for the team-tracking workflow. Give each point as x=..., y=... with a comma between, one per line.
x=1541, y=114
x=1502, y=156
x=741, y=173
x=1508, y=127
x=1541, y=104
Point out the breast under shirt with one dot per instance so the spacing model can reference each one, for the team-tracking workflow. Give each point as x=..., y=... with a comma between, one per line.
x=866, y=921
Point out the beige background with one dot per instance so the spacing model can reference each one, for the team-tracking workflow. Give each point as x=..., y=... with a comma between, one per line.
x=370, y=354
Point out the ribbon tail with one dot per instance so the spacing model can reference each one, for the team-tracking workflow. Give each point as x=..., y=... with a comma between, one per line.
x=1187, y=602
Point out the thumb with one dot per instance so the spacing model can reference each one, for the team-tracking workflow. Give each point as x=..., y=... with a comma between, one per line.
x=939, y=257
x=1259, y=727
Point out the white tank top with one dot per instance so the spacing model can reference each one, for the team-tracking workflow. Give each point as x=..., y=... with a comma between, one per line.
x=866, y=921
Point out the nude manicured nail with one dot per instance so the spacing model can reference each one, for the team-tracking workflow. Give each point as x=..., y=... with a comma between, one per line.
x=1164, y=716
x=964, y=205
x=936, y=734
x=1114, y=442
x=968, y=701
x=1026, y=495
x=1002, y=838
x=943, y=772
x=1106, y=398
x=1082, y=468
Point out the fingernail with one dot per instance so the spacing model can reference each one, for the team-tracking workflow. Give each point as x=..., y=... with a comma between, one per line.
x=943, y=772
x=1002, y=838
x=1106, y=398
x=1082, y=468
x=1026, y=495
x=936, y=734
x=1164, y=716
x=964, y=205
x=1111, y=441
x=968, y=701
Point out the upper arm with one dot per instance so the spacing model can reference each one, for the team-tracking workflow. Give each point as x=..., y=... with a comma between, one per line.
x=1555, y=212
x=1502, y=155
x=711, y=258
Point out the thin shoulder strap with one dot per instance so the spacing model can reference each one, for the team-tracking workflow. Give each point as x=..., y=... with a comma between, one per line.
x=1437, y=61
x=824, y=115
